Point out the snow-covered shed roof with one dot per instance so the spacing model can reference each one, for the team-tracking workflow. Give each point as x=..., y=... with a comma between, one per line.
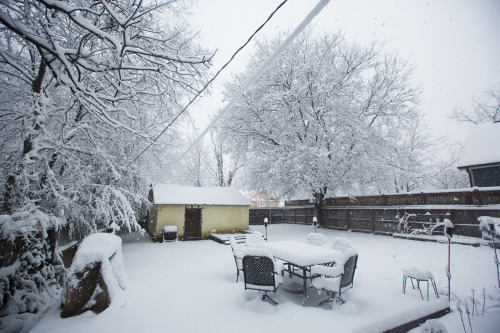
x=165, y=194
x=482, y=146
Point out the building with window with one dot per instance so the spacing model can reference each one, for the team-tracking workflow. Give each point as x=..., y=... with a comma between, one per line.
x=481, y=155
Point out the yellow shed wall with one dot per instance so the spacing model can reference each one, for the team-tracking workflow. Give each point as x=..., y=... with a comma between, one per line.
x=167, y=215
x=224, y=219
x=214, y=219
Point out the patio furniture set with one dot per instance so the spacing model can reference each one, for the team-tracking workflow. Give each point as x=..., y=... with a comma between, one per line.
x=264, y=264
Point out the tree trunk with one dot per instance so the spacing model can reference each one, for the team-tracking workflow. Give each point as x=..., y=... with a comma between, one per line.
x=9, y=187
x=319, y=206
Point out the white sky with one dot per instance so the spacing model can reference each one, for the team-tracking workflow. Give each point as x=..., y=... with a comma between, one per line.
x=454, y=44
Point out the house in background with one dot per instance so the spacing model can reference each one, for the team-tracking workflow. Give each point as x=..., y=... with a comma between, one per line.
x=197, y=211
x=263, y=199
x=481, y=155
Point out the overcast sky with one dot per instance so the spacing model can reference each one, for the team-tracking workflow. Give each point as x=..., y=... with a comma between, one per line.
x=454, y=44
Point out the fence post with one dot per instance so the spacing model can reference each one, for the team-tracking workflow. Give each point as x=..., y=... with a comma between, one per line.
x=372, y=220
x=347, y=220
x=476, y=197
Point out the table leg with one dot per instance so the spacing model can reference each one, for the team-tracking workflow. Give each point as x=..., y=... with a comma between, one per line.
x=304, y=277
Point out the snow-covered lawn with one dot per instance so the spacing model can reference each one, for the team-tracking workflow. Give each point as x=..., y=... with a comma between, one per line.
x=190, y=287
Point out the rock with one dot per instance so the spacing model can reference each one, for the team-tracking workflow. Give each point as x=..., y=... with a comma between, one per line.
x=86, y=290
x=95, y=275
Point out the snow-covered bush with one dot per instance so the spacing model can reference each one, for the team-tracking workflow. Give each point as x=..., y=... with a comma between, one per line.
x=403, y=225
x=31, y=273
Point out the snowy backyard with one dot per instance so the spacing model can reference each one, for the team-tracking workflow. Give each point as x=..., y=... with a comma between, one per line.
x=190, y=287
x=110, y=110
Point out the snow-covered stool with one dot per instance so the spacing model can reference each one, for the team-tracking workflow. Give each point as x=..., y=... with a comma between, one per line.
x=419, y=275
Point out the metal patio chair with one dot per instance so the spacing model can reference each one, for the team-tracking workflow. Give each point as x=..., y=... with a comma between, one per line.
x=261, y=271
x=254, y=239
x=315, y=238
x=335, y=279
x=238, y=256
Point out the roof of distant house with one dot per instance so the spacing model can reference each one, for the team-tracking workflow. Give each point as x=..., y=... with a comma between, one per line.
x=482, y=146
x=165, y=194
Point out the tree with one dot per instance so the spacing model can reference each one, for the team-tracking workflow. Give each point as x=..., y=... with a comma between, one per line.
x=85, y=85
x=224, y=176
x=446, y=175
x=194, y=167
x=484, y=109
x=327, y=118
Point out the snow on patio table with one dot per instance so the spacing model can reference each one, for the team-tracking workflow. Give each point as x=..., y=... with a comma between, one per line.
x=190, y=287
x=302, y=254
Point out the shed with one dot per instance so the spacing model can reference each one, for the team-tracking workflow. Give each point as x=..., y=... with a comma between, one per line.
x=197, y=211
x=481, y=155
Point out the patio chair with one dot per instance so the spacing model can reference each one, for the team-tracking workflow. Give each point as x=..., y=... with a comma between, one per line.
x=335, y=279
x=316, y=239
x=253, y=239
x=238, y=256
x=341, y=244
x=261, y=271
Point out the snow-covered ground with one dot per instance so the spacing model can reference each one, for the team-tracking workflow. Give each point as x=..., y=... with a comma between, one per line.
x=190, y=287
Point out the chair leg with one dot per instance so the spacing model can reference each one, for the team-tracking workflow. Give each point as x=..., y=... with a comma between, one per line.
x=328, y=300
x=435, y=287
x=427, y=290
x=420, y=290
x=269, y=298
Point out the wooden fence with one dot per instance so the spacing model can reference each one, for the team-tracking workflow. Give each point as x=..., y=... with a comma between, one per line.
x=382, y=214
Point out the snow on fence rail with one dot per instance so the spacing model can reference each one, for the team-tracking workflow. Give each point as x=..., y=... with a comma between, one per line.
x=466, y=196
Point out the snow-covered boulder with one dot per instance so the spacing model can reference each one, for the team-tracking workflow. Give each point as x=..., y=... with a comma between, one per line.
x=95, y=275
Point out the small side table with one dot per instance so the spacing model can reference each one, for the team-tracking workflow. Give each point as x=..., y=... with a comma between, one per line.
x=419, y=276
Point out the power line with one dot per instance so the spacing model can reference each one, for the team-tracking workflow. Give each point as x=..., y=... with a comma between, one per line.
x=210, y=81
x=265, y=66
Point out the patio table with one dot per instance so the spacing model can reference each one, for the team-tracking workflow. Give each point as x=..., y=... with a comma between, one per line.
x=302, y=256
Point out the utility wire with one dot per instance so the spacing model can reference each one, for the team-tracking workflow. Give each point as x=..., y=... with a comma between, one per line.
x=210, y=81
x=267, y=64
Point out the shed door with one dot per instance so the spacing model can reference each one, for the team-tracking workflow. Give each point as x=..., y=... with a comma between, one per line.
x=192, y=223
